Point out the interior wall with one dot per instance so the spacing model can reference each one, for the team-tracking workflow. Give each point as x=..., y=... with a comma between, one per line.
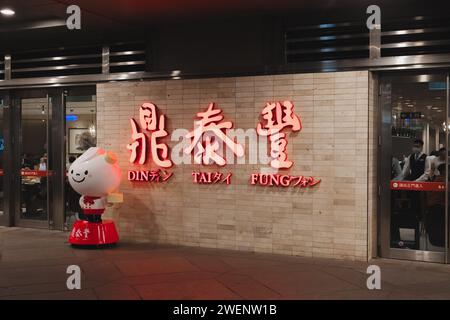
x=34, y=137
x=84, y=121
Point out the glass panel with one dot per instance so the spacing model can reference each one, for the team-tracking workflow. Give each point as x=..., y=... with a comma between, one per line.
x=81, y=135
x=34, y=159
x=418, y=163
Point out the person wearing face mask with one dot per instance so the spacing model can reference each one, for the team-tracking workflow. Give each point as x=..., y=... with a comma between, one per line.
x=414, y=166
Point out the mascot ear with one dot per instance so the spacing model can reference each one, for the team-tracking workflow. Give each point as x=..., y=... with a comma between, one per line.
x=110, y=158
x=88, y=154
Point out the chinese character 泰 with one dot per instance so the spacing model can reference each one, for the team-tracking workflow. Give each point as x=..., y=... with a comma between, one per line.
x=150, y=122
x=277, y=116
x=207, y=147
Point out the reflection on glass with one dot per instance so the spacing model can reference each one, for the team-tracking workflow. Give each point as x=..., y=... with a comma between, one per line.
x=418, y=166
x=81, y=135
x=34, y=159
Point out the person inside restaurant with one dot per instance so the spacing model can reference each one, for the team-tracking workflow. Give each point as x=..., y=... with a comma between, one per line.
x=33, y=186
x=432, y=162
x=420, y=211
x=414, y=166
x=435, y=217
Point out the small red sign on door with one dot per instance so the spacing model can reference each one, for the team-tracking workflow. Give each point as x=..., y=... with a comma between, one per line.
x=417, y=186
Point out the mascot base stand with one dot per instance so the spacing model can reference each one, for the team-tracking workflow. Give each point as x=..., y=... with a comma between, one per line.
x=95, y=175
x=97, y=233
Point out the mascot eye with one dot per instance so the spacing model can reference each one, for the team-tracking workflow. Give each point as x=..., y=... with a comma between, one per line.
x=71, y=171
x=86, y=172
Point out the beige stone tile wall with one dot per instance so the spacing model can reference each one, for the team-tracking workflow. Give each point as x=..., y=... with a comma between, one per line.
x=330, y=220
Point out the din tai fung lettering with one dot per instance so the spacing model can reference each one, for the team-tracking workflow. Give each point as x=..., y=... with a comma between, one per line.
x=207, y=142
x=211, y=177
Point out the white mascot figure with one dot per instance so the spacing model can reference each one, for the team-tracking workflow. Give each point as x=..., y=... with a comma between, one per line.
x=95, y=175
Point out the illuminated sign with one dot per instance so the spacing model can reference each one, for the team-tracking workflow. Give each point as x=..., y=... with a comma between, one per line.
x=148, y=119
x=208, y=140
x=277, y=116
x=205, y=146
x=149, y=175
x=283, y=180
x=417, y=186
x=71, y=117
x=211, y=177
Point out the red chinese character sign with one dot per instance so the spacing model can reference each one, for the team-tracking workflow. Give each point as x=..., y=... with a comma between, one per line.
x=152, y=127
x=149, y=121
x=276, y=117
x=208, y=137
x=207, y=142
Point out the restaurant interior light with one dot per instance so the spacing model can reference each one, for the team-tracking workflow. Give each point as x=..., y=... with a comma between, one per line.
x=7, y=12
x=71, y=117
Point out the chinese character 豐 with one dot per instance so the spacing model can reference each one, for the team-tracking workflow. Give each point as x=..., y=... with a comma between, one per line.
x=207, y=147
x=277, y=116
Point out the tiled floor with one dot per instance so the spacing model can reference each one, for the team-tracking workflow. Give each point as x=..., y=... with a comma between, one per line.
x=33, y=265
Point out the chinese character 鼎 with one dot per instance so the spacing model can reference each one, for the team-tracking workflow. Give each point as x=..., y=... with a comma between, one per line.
x=150, y=122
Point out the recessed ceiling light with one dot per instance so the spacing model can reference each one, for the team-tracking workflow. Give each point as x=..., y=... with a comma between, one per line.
x=7, y=12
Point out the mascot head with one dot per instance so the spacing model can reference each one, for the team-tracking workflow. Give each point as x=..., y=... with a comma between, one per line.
x=95, y=173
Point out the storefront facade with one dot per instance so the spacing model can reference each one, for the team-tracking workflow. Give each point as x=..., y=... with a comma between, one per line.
x=328, y=220
x=343, y=193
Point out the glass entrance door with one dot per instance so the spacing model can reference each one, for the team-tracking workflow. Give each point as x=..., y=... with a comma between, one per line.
x=35, y=175
x=42, y=131
x=413, y=167
x=37, y=157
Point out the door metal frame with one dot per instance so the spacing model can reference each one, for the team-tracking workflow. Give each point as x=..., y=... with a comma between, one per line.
x=7, y=218
x=384, y=172
x=16, y=97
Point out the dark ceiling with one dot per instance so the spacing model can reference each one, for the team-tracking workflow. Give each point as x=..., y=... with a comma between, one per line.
x=39, y=23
